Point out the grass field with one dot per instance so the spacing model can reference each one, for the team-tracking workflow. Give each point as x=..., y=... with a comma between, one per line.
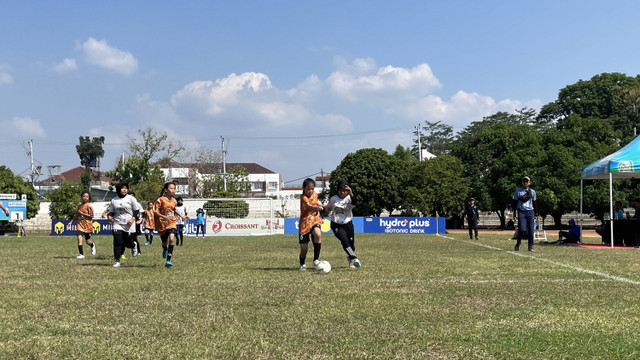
x=416, y=297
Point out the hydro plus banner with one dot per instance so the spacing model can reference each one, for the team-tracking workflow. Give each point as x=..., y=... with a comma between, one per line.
x=404, y=225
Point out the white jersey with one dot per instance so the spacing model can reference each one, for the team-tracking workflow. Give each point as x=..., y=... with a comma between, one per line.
x=122, y=211
x=340, y=209
x=182, y=211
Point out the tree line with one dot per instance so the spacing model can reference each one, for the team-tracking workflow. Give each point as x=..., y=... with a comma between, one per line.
x=486, y=160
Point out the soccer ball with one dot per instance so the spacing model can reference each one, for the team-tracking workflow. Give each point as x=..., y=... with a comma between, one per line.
x=324, y=267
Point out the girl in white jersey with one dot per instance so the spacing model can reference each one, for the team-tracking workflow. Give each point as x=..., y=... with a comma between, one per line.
x=340, y=207
x=122, y=214
x=181, y=218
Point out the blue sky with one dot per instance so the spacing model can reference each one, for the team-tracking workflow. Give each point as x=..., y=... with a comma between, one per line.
x=292, y=85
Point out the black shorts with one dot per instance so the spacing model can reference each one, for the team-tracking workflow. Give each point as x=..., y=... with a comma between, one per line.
x=304, y=238
x=165, y=235
x=85, y=234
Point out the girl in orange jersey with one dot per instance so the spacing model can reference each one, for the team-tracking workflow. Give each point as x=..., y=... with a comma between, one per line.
x=165, y=220
x=310, y=222
x=149, y=223
x=84, y=226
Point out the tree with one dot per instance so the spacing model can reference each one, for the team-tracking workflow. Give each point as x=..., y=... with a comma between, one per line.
x=496, y=155
x=591, y=98
x=155, y=146
x=64, y=200
x=200, y=181
x=14, y=184
x=436, y=138
x=372, y=173
x=438, y=186
x=237, y=184
x=89, y=150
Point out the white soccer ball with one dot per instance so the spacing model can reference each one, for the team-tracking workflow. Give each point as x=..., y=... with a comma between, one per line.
x=324, y=267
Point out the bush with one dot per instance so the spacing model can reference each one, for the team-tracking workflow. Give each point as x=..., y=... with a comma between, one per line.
x=229, y=209
x=64, y=200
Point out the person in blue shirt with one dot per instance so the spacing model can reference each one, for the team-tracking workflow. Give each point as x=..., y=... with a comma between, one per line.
x=471, y=213
x=524, y=201
x=571, y=236
x=200, y=226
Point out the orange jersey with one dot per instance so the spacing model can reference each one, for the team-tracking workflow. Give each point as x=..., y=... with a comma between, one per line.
x=148, y=219
x=85, y=218
x=308, y=217
x=166, y=207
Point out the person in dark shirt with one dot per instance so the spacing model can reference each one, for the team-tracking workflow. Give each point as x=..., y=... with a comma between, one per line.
x=472, y=216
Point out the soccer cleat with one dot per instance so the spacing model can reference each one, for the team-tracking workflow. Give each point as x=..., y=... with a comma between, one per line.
x=93, y=250
x=116, y=264
x=134, y=250
x=316, y=263
x=147, y=243
x=352, y=263
x=80, y=256
x=357, y=263
x=164, y=254
x=517, y=248
x=122, y=257
x=168, y=264
x=303, y=267
x=531, y=249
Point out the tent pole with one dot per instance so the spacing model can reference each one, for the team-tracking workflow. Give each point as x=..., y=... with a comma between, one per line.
x=611, y=216
x=581, y=184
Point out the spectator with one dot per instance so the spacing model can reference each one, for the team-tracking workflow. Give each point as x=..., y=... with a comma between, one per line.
x=571, y=236
x=471, y=214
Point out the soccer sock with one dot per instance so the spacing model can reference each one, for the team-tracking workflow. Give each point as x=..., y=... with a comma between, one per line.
x=150, y=239
x=170, y=253
x=303, y=260
x=80, y=250
x=146, y=236
x=138, y=244
x=316, y=251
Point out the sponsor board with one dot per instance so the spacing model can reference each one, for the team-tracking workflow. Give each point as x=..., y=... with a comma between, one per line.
x=17, y=209
x=67, y=227
x=404, y=225
x=291, y=225
x=244, y=226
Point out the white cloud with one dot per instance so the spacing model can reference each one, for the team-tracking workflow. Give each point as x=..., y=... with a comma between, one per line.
x=5, y=77
x=66, y=65
x=101, y=54
x=213, y=97
x=23, y=126
x=362, y=82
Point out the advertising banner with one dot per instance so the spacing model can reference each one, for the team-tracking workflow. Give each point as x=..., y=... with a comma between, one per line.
x=17, y=210
x=291, y=225
x=65, y=227
x=244, y=227
x=404, y=225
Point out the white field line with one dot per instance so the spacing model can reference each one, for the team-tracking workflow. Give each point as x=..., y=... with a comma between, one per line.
x=572, y=267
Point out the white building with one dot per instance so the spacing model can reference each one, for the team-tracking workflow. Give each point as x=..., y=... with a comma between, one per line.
x=263, y=181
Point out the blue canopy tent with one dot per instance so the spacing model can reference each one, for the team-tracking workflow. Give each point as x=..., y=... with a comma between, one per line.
x=622, y=164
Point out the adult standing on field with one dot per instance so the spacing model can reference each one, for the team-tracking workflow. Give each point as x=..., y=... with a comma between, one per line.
x=524, y=201
x=472, y=216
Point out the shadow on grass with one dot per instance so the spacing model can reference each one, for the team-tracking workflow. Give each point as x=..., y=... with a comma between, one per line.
x=277, y=269
x=123, y=265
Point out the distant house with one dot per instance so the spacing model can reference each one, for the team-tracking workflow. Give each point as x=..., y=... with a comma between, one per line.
x=100, y=189
x=263, y=181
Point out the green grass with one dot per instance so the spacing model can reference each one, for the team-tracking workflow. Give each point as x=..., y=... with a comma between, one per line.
x=415, y=297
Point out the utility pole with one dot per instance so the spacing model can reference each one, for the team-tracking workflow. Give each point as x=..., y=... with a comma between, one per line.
x=224, y=165
x=419, y=143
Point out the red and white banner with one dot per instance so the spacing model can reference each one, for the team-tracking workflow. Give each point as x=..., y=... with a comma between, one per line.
x=244, y=226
